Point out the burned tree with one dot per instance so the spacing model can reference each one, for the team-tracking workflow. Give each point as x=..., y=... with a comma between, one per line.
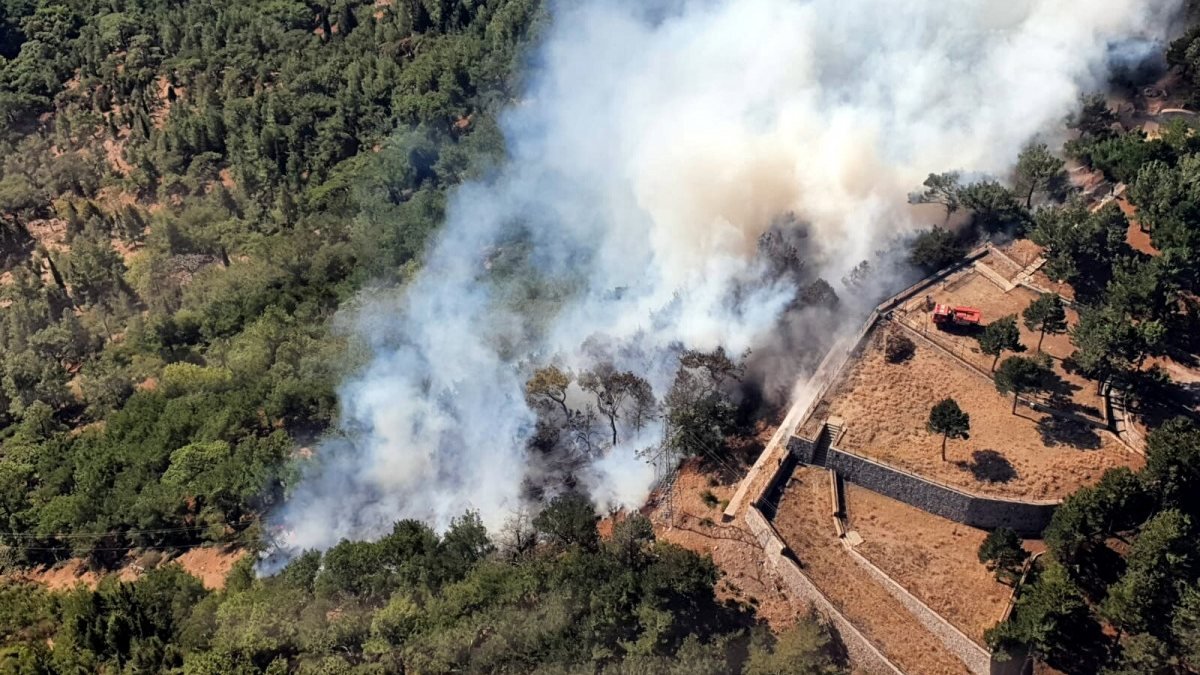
x=782, y=257
x=619, y=393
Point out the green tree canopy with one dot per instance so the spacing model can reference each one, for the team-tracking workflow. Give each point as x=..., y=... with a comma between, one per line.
x=1003, y=552
x=949, y=420
x=1000, y=336
x=1021, y=374
x=1036, y=169
x=1045, y=315
x=934, y=249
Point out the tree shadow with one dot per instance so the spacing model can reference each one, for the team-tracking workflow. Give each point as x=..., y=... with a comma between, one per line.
x=1086, y=648
x=1098, y=567
x=1155, y=398
x=836, y=648
x=1058, y=390
x=989, y=466
x=1057, y=431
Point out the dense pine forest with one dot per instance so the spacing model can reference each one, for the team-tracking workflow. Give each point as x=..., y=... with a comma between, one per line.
x=188, y=191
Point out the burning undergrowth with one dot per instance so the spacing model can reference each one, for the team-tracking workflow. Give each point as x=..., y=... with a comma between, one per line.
x=687, y=182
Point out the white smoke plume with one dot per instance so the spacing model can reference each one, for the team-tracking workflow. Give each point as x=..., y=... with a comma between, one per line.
x=657, y=141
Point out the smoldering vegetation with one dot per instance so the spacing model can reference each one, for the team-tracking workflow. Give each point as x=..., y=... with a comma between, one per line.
x=674, y=188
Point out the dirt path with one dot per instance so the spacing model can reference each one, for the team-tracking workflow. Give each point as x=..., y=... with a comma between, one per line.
x=804, y=523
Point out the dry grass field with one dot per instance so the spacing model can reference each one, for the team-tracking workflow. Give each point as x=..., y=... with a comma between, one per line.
x=933, y=558
x=1028, y=455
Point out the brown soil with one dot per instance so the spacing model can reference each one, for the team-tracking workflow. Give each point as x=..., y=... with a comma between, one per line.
x=1091, y=182
x=62, y=576
x=226, y=177
x=1023, y=251
x=1135, y=237
x=128, y=251
x=885, y=407
x=114, y=152
x=158, y=116
x=805, y=524
x=686, y=520
x=51, y=233
x=933, y=558
x=975, y=290
x=1002, y=265
x=209, y=564
x=1041, y=280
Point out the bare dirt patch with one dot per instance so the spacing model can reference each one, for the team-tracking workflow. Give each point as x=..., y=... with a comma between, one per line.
x=933, y=558
x=380, y=8
x=61, y=577
x=163, y=88
x=1023, y=251
x=227, y=179
x=50, y=232
x=208, y=564
x=1028, y=455
x=1135, y=236
x=127, y=250
x=1041, y=280
x=114, y=153
x=804, y=521
x=687, y=520
x=1002, y=265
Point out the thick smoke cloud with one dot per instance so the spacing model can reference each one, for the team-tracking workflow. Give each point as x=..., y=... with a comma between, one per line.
x=657, y=142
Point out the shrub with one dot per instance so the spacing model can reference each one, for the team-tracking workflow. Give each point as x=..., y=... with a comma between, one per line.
x=898, y=348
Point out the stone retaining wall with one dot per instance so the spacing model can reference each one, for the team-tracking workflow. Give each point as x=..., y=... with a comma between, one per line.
x=777, y=557
x=866, y=657
x=802, y=449
x=976, y=658
x=1028, y=518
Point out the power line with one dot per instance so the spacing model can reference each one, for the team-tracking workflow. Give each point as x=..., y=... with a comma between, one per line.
x=114, y=548
x=108, y=533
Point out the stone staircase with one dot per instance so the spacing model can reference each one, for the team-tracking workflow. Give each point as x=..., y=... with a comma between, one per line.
x=830, y=433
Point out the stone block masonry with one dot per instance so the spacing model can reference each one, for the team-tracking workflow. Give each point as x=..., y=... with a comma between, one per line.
x=802, y=449
x=865, y=656
x=1026, y=517
x=976, y=658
